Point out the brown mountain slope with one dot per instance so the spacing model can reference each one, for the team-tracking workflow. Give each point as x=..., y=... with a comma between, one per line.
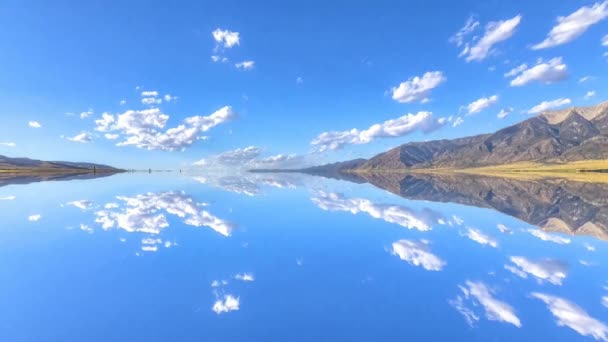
x=561, y=136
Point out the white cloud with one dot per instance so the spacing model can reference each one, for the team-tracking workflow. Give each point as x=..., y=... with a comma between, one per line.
x=589, y=247
x=151, y=101
x=549, y=237
x=8, y=144
x=457, y=220
x=248, y=157
x=143, y=128
x=481, y=238
x=229, y=303
x=86, y=228
x=34, y=218
x=8, y=198
x=403, y=216
x=216, y=58
x=495, y=32
x=81, y=204
x=86, y=114
x=553, y=271
x=589, y=94
x=572, y=26
x=418, y=88
x=585, y=79
x=418, y=254
x=149, y=93
x=517, y=70
x=169, y=97
x=504, y=229
x=549, y=72
x=83, y=137
x=245, y=65
x=481, y=104
x=226, y=38
x=123, y=102
x=247, y=277
x=34, y=124
x=111, y=136
x=504, y=113
x=605, y=301
x=574, y=317
x=546, y=105
x=470, y=26
x=605, y=40
x=402, y=126
x=145, y=214
x=478, y=293
x=458, y=121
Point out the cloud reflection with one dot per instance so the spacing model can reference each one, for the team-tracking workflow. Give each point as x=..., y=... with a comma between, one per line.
x=417, y=253
x=478, y=293
x=574, y=317
x=553, y=271
x=403, y=216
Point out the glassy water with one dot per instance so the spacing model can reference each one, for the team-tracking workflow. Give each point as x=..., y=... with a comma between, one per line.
x=269, y=257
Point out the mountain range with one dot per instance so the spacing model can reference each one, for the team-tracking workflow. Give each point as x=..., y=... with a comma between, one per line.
x=552, y=137
x=21, y=165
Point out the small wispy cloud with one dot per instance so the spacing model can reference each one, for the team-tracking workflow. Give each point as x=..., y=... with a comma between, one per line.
x=34, y=124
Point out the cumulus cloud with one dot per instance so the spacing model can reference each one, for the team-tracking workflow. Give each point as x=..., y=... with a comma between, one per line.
x=504, y=113
x=248, y=157
x=481, y=238
x=86, y=114
x=245, y=65
x=549, y=237
x=111, y=136
x=144, y=128
x=216, y=58
x=478, y=294
x=553, y=271
x=418, y=88
x=547, y=105
x=589, y=94
x=151, y=101
x=34, y=124
x=34, y=217
x=403, y=216
x=468, y=28
x=149, y=93
x=458, y=121
x=517, y=70
x=83, y=137
x=549, y=72
x=81, y=204
x=572, y=26
x=481, y=104
x=417, y=253
x=146, y=213
x=247, y=277
x=409, y=123
x=225, y=38
x=495, y=32
x=568, y=314
x=227, y=304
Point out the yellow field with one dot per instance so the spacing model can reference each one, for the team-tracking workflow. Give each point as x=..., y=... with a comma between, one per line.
x=580, y=171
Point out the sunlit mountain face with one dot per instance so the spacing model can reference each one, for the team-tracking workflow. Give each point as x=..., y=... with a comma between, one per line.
x=366, y=260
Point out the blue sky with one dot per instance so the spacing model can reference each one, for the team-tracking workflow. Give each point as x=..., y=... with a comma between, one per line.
x=318, y=67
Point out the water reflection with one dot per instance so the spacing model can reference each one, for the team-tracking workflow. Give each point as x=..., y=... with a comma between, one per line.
x=16, y=178
x=250, y=184
x=475, y=294
x=552, y=205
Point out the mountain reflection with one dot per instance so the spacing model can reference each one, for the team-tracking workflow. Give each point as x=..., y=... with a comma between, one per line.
x=15, y=178
x=553, y=205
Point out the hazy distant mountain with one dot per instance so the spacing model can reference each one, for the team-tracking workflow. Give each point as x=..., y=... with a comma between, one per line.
x=555, y=136
x=26, y=164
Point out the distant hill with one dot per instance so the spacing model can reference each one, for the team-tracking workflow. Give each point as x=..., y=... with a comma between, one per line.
x=573, y=134
x=8, y=164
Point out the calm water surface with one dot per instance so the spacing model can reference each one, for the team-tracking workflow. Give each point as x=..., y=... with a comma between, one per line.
x=262, y=257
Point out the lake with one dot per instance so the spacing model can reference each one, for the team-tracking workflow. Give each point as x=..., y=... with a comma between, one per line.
x=290, y=257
